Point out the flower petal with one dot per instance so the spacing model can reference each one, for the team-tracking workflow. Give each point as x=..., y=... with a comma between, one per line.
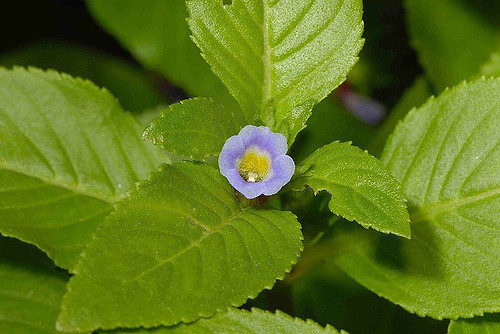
x=264, y=139
x=283, y=169
x=248, y=189
x=232, y=150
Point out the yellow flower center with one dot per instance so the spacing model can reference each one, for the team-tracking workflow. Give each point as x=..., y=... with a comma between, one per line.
x=254, y=165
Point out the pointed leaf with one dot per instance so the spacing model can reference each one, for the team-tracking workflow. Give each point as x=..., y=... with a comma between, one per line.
x=196, y=128
x=489, y=324
x=446, y=155
x=278, y=58
x=190, y=250
x=236, y=321
x=361, y=187
x=67, y=152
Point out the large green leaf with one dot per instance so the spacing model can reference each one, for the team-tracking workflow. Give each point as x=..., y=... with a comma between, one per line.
x=67, y=152
x=446, y=155
x=179, y=248
x=453, y=38
x=31, y=289
x=134, y=88
x=156, y=33
x=236, y=321
x=278, y=58
x=361, y=187
x=195, y=128
x=489, y=324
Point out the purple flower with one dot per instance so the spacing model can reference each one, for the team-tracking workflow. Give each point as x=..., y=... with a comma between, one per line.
x=255, y=161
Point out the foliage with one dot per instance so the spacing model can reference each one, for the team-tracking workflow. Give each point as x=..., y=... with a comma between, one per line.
x=289, y=55
x=446, y=156
x=197, y=128
x=68, y=152
x=361, y=187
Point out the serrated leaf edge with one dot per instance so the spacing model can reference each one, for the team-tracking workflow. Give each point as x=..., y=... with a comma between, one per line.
x=200, y=315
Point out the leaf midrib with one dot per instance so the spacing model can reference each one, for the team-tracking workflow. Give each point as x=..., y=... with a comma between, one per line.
x=75, y=188
x=193, y=244
x=266, y=86
x=432, y=211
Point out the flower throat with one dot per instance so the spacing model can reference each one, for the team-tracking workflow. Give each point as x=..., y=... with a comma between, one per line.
x=254, y=165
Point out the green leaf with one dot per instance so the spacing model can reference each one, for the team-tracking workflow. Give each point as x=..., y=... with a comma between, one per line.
x=278, y=58
x=190, y=251
x=31, y=289
x=67, y=152
x=414, y=96
x=492, y=67
x=236, y=321
x=156, y=33
x=489, y=324
x=361, y=187
x=196, y=128
x=446, y=155
x=453, y=38
x=135, y=89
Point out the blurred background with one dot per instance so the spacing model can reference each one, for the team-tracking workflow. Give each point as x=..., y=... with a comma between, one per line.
x=141, y=52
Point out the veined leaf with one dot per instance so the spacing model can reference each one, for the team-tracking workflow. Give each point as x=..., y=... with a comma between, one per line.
x=31, y=289
x=156, y=33
x=67, y=152
x=133, y=87
x=278, y=58
x=236, y=321
x=361, y=187
x=489, y=324
x=446, y=155
x=196, y=128
x=439, y=31
x=190, y=251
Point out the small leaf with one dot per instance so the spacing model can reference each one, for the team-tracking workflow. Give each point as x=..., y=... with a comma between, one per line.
x=488, y=324
x=31, y=289
x=67, y=152
x=361, y=187
x=196, y=128
x=236, y=321
x=178, y=249
x=131, y=85
x=156, y=33
x=278, y=58
x=446, y=155
x=439, y=31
